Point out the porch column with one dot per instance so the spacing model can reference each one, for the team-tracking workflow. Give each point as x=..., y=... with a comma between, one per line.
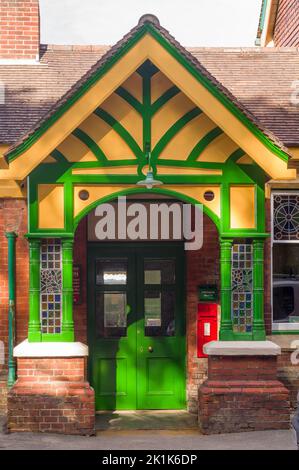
x=67, y=290
x=258, y=291
x=34, y=327
x=226, y=326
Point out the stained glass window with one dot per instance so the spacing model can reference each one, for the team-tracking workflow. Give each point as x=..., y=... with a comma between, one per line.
x=286, y=217
x=50, y=286
x=242, y=260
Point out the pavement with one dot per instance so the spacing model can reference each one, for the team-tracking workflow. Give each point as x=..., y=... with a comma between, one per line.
x=132, y=439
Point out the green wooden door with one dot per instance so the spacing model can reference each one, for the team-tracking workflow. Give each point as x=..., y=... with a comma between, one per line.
x=136, y=326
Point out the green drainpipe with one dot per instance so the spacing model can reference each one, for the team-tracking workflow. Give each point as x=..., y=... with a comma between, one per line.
x=11, y=238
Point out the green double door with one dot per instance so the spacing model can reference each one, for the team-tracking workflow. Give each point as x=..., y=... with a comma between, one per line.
x=136, y=326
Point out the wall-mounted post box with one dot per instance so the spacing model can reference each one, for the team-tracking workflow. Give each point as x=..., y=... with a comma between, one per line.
x=206, y=325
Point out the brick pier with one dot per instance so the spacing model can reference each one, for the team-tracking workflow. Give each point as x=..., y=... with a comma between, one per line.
x=242, y=392
x=51, y=395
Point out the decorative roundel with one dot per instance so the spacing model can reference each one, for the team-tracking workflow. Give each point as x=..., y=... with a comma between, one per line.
x=286, y=217
x=83, y=195
x=209, y=195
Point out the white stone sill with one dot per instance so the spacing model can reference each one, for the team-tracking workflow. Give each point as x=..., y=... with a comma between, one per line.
x=50, y=349
x=241, y=348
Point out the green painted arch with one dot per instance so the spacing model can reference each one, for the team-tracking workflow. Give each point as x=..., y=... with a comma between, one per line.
x=203, y=143
x=164, y=98
x=90, y=143
x=166, y=192
x=172, y=131
x=130, y=99
x=121, y=131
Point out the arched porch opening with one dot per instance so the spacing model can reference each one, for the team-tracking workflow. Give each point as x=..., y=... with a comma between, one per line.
x=198, y=267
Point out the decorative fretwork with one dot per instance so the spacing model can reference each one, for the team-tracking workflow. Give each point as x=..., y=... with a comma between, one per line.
x=242, y=292
x=51, y=286
x=285, y=217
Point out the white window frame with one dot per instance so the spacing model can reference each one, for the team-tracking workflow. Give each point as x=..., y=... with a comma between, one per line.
x=280, y=327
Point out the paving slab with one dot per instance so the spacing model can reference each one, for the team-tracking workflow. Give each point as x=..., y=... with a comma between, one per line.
x=150, y=440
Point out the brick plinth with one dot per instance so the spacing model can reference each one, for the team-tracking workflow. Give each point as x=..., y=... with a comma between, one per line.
x=52, y=395
x=243, y=394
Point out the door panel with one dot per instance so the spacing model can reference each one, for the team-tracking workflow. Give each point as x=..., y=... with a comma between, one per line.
x=136, y=327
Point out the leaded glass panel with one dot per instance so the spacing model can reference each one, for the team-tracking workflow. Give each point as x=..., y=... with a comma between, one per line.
x=50, y=285
x=242, y=292
x=286, y=217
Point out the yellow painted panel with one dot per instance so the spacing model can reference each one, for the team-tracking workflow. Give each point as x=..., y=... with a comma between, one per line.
x=169, y=114
x=101, y=191
x=113, y=146
x=119, y=170
x=197, y=193
x=174, y=170
x=159, y=84
x=125, y=115
x=134, y=85
x=50, y=206
x=242, y=207
x=184, y=141
x=95, y=193
x=75, y=150
x=218, y=150
x=148, y=48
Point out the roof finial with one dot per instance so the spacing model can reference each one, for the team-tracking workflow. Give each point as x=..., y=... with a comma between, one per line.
x=149, y=18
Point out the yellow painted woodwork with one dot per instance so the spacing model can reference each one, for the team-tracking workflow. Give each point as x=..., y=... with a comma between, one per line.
x=125, y=115
x=119, y=170
x=113, y=146
x=159, y=84
x=245, y=160
x=134, y=86
x=50, y=206
x=197, y=193
x=168, y=115
x=148, y=48
x=174, y=170
x=97, y=192
x=50, y=159
x=242, y=207
x=11, y=189
x=218, y=150
x=3, y=149
x=75, y=150
x=280, y=184
x=294, y=151
x=184, y=141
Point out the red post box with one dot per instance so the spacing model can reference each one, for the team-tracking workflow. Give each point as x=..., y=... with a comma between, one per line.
x=206, y=326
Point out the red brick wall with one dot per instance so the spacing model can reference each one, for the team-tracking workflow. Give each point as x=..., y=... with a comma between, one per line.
x=202, y=267
x=12, y=212
x=19, y=29
x=286, y=32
